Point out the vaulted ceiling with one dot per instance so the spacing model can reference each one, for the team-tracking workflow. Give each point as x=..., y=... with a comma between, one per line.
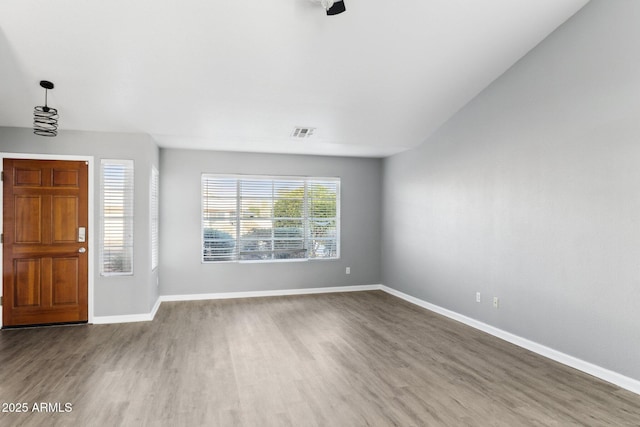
x=240, y=75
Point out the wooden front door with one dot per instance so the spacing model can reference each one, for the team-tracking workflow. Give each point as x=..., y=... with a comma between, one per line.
x=45, y=262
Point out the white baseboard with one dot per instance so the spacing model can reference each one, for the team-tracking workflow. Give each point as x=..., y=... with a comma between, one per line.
x=573, y=362
x=124, y=318
x=155, y=308
x=147, y=317
x=128, y=318
x=279, y=292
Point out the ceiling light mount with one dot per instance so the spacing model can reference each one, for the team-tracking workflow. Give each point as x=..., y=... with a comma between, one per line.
x=332, y=7
x=46, y=84
x=45, y=118
x=335, y=8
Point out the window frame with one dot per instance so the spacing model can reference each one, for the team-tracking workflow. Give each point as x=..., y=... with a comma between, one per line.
x=305, y=218
x=129, y=198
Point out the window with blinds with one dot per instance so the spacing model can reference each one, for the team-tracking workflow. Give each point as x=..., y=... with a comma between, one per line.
x=270, y=218
x=154, y=216
x=116, y=215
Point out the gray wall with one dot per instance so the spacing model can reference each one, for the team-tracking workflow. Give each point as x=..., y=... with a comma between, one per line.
x=181, y=270
x=532, y=193
x=112, y=295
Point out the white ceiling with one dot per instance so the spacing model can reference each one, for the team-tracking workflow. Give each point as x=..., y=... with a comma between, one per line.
x=239, y=75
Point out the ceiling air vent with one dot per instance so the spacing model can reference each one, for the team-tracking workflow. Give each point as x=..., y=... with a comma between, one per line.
x=301, y=133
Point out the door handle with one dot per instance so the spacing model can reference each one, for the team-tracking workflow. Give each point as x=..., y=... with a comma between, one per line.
x=82, y=250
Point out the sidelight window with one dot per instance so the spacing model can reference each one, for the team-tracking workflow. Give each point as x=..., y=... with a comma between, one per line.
x=154, y=216
x=116, y=217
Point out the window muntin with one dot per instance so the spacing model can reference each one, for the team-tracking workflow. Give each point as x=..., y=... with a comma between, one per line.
x=269, y=218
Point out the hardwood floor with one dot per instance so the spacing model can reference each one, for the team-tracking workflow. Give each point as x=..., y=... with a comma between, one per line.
x=348, y=359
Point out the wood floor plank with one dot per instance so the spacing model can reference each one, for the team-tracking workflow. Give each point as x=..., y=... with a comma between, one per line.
x=346, y=359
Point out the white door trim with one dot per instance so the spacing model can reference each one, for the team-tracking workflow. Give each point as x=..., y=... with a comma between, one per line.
x=91, y=235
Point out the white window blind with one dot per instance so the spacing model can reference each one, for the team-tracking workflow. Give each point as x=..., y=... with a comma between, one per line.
x=154, y=213
x=116, y=245
x=269, y=218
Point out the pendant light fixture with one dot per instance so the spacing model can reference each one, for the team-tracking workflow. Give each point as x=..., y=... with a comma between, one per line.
x=45, y=119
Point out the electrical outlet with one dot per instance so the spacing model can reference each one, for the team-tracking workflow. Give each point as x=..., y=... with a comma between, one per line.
x=478, y=299
x=348, y=270
x=496, y=302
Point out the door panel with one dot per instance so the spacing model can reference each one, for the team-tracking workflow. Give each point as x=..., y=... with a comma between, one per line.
x=28, y=177
x=27, y=282
x=65, y=219
x=65, y=281
x=28, y=214
x=65, y=178
x=44, y=274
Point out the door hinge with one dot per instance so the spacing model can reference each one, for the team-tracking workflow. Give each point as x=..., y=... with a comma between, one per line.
x=1, y=301
x=2, y=176
x=2, y=238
